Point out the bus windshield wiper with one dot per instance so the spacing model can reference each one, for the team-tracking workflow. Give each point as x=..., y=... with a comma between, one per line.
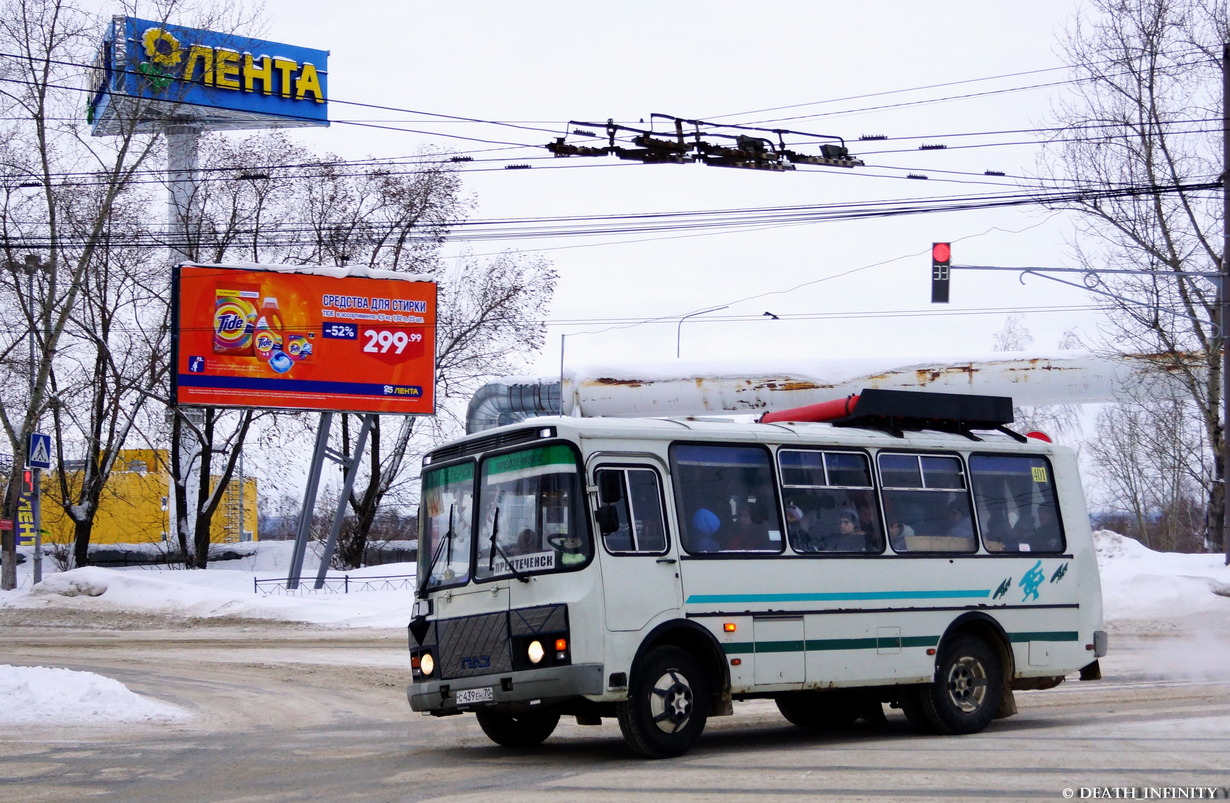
x=495, y=547
x=435, y=558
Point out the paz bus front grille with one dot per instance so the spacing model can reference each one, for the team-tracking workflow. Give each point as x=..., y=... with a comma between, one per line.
x=481, y=645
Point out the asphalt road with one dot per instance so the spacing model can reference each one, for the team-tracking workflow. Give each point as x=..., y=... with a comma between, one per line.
x=288, y=713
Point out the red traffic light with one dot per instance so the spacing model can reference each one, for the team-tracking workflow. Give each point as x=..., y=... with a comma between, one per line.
x=27, y=482
x=941, y=255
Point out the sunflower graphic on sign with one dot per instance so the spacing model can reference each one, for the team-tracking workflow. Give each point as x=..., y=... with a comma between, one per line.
x=163, y=52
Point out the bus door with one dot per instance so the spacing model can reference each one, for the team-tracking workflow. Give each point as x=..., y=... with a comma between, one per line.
x=640, y=572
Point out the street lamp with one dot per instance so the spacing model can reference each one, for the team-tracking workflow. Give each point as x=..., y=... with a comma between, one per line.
x=679, y=329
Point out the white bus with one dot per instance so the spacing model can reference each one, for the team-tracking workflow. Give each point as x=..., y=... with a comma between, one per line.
x=914, y=552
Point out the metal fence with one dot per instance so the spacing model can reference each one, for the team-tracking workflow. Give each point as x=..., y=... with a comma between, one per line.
x=334, y=585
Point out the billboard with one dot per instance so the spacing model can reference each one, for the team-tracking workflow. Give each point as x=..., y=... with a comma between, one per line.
x=151, y=71
x=330, y=339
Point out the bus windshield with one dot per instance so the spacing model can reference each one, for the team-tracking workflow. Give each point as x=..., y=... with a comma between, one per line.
x=444, y=540
x=531, y=518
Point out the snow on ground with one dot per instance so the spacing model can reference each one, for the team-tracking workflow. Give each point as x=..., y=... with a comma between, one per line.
x=1147, y=590
x=1144, y=592
x=52, y=696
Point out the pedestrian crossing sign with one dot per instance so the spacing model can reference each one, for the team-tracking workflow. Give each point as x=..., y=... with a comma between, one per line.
x=39, y=450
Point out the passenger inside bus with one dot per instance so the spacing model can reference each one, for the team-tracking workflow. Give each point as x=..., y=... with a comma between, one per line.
x=796, y=529
x=959, y=524
x=898, y=531
x=703, y=528
x=850, y=536
x=747, y=533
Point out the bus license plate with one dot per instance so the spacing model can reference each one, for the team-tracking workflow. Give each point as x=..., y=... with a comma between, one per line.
x=467, y=696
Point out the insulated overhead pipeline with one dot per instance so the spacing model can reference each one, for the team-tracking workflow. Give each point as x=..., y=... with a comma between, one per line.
x=500, y=403
x=1066, y=377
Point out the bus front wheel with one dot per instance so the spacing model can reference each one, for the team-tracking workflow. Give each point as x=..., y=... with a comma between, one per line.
x=966, y=691
x=667, y=705
x=523, y=730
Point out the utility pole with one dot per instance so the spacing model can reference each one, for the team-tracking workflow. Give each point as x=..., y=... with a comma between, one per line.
x=8, y=537
x=1224, y=295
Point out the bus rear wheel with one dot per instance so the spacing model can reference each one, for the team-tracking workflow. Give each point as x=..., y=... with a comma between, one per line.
x=667, y=705
x=516, y=730
x=966, y=691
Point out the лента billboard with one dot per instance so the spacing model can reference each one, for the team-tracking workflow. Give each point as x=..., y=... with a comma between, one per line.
x=150, y=73
x=345, y=340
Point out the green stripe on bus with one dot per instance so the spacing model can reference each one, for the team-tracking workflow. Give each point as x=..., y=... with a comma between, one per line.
x=556, y=456
x=826, y=645
x=837, y=596
x=1045, y=635
x=778, y=646
x=448, y=476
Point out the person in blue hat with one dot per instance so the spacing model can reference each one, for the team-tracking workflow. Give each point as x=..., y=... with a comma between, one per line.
x=702, y=529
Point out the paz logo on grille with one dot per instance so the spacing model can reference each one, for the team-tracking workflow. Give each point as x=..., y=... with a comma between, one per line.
x=475, y=661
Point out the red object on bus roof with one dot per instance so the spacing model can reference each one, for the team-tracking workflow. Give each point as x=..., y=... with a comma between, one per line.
x=824, y=411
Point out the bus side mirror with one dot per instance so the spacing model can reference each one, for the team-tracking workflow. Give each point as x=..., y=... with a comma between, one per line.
x=610, y=487
x=608, y=519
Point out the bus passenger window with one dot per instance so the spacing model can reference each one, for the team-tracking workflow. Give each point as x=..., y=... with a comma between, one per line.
x=725, y=499
x=830, y=501
x=1017, y=507
x=642, y=527
x=927, y=504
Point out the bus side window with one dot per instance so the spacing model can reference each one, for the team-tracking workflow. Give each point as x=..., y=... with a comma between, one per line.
x=1017, y=507
x=830, y=502
x=928, y=505
x=726, y=498
x=639, y=524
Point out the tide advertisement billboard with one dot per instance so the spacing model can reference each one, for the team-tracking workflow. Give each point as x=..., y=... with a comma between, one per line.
x=329, y=339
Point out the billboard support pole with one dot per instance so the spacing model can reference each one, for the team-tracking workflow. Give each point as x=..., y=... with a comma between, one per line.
x=182, y=202
x=309, y=501
x=352, y=468
x=182, y=146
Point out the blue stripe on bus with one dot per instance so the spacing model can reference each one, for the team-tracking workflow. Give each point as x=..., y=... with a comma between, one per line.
x=838, y=596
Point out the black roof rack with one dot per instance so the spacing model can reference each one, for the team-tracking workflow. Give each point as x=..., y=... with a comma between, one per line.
x=897, y=411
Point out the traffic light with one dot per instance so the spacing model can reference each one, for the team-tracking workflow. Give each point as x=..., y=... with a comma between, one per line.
x=941, y=265
x=27, y=482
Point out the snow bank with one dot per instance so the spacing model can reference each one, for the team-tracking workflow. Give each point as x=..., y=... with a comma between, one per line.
x=213, y=594
x=48, y=695
x=1151, y=591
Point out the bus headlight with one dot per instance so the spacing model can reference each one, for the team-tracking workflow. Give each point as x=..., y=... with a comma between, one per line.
x=427, y=664
x=535, y=651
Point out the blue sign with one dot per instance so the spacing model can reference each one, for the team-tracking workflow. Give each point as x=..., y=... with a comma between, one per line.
x=154, y=71
x=39, y=451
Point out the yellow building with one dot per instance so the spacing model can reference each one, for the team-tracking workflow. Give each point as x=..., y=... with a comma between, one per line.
x=137, y=505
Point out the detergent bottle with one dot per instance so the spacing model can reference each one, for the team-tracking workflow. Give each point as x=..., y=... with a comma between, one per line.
x=269, y=337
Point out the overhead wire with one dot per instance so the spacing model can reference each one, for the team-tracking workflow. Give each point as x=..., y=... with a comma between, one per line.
x=519, y=126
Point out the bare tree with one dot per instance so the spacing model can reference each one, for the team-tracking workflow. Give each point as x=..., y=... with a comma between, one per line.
x=1137, y=134
x=64, y=196
x=1149, y=455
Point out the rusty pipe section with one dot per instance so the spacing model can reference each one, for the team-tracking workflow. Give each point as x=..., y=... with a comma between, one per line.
x=1069, y=377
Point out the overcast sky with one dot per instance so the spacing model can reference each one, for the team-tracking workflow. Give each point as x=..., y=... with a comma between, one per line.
x=971, y=75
